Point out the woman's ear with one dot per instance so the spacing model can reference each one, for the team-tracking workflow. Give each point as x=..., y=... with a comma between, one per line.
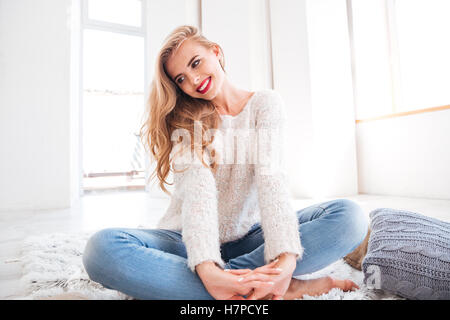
x=216, y=50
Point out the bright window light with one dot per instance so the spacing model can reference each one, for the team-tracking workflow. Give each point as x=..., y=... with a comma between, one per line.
x=423, y=33
x=126, y=12
x=401, y=55
x=113, y=101
x=371, y=59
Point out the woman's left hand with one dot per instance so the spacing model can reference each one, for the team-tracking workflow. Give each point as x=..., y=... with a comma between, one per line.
x=287, y=263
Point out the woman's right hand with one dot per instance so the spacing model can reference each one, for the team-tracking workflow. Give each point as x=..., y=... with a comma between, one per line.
x=223, y=285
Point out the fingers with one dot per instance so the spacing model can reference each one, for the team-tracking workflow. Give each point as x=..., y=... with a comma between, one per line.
x=270, y=270
x=257, y=277
x=258, y=284
x=238, y=271
x=275, y=297
x=237, y=297
x=260, y=294
x=252, y=296
x=264, y=269
x=251, y=286
x=271, y=264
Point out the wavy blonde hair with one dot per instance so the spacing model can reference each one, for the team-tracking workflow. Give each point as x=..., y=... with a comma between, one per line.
x=168, y=108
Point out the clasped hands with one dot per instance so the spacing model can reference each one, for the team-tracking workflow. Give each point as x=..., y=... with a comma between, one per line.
x=272, y=279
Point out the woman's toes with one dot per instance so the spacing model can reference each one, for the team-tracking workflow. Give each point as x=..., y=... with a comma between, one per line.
x=315, y=287
x=351, y=285
x=344, y=285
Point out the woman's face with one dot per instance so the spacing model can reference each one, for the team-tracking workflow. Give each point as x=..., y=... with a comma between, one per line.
x=196, y=70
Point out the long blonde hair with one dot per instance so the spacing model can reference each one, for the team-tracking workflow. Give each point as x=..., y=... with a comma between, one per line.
x=168, y=108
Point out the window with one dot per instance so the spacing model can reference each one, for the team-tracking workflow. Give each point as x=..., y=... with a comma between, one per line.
x=400, y=55
x=371, y=59
x=113, y=78
x=125, y=12
x=423, y=35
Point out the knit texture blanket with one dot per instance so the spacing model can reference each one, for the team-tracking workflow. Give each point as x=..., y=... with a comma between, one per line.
x=408, y=254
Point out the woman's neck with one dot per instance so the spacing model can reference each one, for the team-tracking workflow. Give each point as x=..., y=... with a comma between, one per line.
x=231, y=99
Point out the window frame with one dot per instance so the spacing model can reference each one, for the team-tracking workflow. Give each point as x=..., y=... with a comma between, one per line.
x=86, y=22
x=91, y=24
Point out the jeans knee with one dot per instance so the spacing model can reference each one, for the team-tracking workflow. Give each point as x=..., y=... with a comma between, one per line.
x=96, y=248
x=356, y=220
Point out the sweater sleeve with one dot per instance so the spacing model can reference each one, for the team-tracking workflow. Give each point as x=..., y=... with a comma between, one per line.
x=278, y=218
x=199, y=214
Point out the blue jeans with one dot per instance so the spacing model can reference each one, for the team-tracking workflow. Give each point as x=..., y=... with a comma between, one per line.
x=151, y=264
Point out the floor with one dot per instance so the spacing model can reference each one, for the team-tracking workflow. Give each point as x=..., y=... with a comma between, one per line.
x=137, y=209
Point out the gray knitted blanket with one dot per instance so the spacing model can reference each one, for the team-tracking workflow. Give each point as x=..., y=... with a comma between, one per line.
x=408, y=254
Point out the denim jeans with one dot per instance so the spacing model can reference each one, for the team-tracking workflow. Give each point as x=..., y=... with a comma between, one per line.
x=151, y=263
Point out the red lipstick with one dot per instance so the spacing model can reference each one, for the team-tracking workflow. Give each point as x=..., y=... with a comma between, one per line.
x=202, y=85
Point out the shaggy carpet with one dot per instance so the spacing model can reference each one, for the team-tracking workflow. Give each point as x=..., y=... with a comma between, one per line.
x=52, y=265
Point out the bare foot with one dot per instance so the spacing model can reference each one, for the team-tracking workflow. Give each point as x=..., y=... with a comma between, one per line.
x=316, y=287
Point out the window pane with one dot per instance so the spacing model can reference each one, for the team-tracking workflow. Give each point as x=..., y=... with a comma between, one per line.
x=127, y=12
x=113, y=61
x=110, y=123
x=423, y=28
x=371, y=59
x=113, y=101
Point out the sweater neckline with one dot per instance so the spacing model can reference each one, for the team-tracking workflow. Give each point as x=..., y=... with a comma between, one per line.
x=229, y=116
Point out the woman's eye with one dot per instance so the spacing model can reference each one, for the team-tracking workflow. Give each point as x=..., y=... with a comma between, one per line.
x=195, y=63
x=180, y=80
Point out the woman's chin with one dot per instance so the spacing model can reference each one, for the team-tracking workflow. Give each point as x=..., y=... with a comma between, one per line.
x=207, y=96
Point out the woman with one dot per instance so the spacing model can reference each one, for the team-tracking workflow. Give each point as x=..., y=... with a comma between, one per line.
x=230, y=231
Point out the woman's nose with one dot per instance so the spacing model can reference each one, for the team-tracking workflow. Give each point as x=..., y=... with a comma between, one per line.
x=196, y=80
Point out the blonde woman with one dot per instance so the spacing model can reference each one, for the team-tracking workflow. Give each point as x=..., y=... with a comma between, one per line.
x=230, y=231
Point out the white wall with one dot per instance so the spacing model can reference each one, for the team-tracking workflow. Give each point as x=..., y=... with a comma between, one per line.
x=312, y=71
x=332, y=98
x=35, y=124
x=76, y=154
x=291, y=73
x=406, y=156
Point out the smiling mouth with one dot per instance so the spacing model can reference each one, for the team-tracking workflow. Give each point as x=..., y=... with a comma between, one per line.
x=204, y=86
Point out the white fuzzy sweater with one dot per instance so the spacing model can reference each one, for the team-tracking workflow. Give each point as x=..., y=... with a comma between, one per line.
x=214, y=208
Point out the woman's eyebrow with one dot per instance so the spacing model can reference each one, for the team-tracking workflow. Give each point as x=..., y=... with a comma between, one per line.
x=190, y=61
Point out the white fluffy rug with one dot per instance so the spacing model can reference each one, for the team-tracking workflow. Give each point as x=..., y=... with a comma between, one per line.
x=52, y=265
